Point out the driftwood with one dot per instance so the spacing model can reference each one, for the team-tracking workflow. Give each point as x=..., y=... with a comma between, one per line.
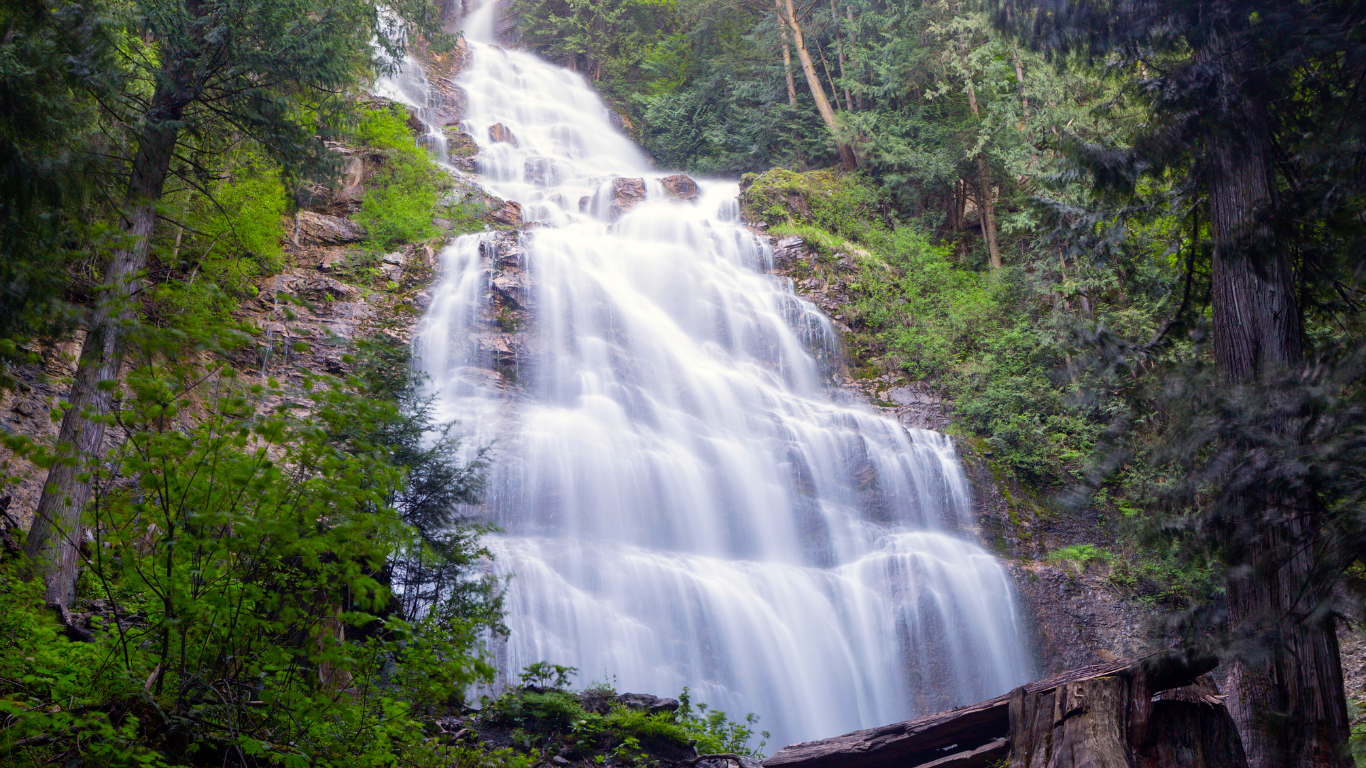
x=1104, y=715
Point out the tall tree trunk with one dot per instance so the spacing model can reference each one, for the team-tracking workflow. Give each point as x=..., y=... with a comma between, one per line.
x=1289, y=702
x=53, y=544
x=1019, y=78
x=839, y=49
x=817, y=92
x=988, y=208
x=787, y=56
x=849, y=33
x=829, y=78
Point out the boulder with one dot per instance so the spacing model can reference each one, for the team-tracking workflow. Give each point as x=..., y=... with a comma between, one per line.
x=540, y=171
x=508, y=216
x=510, y=289
x=501, y=133
x=626, y=194
x=415, y=124
x=680, y=187
x=335, y=289
x=320, y=229
x=648, y=703
x=352, y=189
x=791, y=250
x=425, y=256
x=459, y=144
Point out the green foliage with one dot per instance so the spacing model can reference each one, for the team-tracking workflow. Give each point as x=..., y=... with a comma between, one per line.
x=543, y=673
x=849, y=205
x=1079, y=555
x=52, y=57
x=400, y=201
x=715, y=732
x=592, y=722
x=231, y=236
x=239, y=579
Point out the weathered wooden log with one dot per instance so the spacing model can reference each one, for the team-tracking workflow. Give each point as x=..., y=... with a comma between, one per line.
x=1122, y=689
x=988, y=754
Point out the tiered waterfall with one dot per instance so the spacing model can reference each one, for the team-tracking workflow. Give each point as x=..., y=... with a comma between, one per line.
x=683, y=499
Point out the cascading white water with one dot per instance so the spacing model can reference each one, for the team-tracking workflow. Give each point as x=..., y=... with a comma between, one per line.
x=684, y=501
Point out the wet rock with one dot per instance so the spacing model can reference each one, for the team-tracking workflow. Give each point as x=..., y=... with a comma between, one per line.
x=508, y=215
x=583, y=204
x=680, y=187
x=459, y=143
x=790, y=250
x=320, y=229
x=626, y=194
x=450, y=101
x=501, y=133
x=425, y=256
x=621, y=122
x=415, y=124
x=540, y=171
x=648, y=703
x=511, y=288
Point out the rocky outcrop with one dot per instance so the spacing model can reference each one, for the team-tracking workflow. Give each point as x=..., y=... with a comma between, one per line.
x=506, y=216
x=625, y=195
x=311, y=228
x=461, y=149
x=647, y=703
x=680, y=187
x=501, y=133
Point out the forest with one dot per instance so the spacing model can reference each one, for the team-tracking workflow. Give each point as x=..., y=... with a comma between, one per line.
x=1123, y=240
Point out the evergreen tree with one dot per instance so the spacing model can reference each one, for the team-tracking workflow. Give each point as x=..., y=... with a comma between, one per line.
x=273, y=72
x=1255, y=124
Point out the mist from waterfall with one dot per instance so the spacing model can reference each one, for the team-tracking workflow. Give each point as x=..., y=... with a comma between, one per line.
x=684, y=499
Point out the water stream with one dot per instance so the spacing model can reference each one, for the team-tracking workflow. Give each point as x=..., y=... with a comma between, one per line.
x=684, y=499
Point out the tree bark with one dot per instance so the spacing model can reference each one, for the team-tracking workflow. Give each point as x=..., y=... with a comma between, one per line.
x=1289, y=700
x=54, y=539
x=849, y=33
x=817, y=91
x=787, y=56
x=839, y=49
x=988, y=209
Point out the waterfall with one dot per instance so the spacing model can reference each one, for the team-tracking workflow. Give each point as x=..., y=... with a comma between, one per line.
x=682, y=497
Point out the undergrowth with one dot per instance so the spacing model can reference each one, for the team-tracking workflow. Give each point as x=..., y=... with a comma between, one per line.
x=544, y=717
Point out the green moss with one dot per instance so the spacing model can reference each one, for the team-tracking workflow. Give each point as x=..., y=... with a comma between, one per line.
x=847, y=205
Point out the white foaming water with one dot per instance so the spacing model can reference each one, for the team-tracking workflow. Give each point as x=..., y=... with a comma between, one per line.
x=684, y=502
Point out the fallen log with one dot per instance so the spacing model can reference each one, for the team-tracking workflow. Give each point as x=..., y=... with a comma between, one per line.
x=1110, y=702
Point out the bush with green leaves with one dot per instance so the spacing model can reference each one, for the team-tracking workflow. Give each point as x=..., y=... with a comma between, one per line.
x=545, y=716
x=230, y=235
x=238, y=585
x=400, y=200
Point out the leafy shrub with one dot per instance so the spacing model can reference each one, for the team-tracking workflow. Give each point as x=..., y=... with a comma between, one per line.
x=399, y=202
x=237, y=579
x=1079, y=555
x=553, y=718
x=231, y=237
